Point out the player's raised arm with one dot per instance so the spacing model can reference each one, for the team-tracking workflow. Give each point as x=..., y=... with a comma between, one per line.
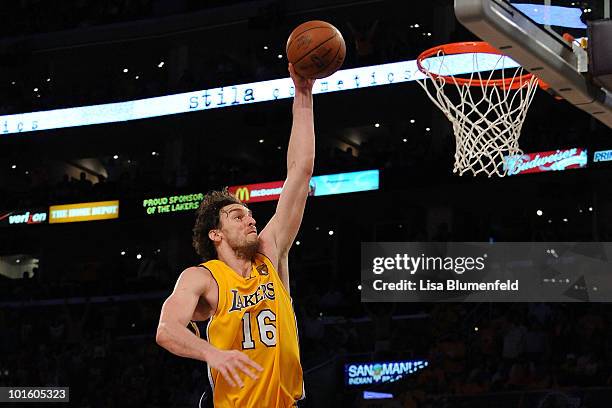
x=278, y=235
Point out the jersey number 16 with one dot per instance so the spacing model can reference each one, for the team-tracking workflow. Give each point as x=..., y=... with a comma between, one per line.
x=265, y=325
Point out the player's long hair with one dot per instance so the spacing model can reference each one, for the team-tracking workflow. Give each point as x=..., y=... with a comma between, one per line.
x=208, y=218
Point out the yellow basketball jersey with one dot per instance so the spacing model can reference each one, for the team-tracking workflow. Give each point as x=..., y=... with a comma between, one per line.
x=255, y=315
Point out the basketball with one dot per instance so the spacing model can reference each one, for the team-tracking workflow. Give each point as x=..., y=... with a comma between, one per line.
x=316, y=49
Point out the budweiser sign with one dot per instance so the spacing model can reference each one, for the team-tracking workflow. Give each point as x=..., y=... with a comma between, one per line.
x=546, y=161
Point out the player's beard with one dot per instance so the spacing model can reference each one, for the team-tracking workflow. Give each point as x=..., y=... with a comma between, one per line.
x=248, y=249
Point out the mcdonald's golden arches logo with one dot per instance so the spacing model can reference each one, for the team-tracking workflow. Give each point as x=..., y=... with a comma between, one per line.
x=243, y=194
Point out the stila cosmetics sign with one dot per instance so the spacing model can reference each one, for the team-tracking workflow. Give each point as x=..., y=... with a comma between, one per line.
x=555, y=160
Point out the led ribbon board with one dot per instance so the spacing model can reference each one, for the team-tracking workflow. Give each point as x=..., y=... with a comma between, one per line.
x=224, y=97
x=23, y=217
x=546, y=161
x=340, y=183
x=101, y=210
x=380, y=372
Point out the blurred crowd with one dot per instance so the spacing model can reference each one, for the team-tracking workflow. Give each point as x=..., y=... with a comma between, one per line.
x=41, y=16
x=143, y=173
x=476, y=351
x=105, y=353
x=513, y=347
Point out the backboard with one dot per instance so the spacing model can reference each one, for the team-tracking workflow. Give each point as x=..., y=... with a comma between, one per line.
x=531, y=33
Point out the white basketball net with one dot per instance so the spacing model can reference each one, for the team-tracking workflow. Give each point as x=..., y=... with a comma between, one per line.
x=487, y=127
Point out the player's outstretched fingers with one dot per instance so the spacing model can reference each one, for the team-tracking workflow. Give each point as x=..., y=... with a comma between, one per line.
x=245, y=369
x=234, y=372
x=251, y=363
x=225, y=373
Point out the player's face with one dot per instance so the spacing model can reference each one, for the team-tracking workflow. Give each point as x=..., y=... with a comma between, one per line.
x=238, y=227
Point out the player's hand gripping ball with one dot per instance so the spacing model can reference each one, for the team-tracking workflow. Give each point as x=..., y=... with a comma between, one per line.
x=316, y=49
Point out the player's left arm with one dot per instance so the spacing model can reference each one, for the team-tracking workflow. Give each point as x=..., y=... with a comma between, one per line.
x=278, y=236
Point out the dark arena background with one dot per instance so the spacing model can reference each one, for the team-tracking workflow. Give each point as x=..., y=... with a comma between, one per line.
x=80, y=301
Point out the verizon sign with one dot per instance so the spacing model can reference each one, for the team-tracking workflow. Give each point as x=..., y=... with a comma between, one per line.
x=20, y=217
x=546, y=161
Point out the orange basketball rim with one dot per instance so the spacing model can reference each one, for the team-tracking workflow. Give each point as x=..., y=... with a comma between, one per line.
x=473, y=47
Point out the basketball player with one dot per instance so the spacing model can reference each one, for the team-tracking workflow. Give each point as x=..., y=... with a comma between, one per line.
x=243, y=287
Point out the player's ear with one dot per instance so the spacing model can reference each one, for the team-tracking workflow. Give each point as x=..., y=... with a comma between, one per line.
x=214, y=235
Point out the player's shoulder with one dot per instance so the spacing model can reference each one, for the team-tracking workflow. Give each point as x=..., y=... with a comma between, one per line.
x=196, y=270
x=195, y=275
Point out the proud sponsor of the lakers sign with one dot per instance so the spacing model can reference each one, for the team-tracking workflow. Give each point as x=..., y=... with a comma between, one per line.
x=101, y=210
